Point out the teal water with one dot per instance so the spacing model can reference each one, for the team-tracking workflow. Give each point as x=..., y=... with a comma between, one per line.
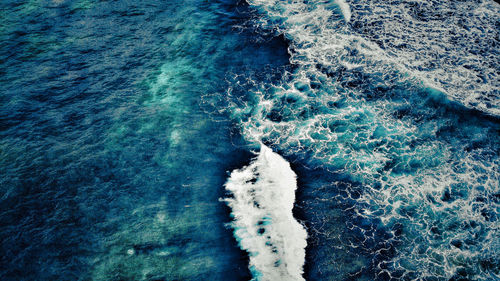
x=110, y=169
x=197, y=140
x=390, y=117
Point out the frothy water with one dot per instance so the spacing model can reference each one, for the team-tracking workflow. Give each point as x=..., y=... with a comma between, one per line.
x=388, y=112
x=450, y=45
x=417, y=146
x=346, y=10
x=263, y=195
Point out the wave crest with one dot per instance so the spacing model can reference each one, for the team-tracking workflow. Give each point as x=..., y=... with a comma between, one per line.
x=262, y=203
x=353, y=107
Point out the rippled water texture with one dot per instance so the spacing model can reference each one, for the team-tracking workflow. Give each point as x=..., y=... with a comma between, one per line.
x=109, y=168
x=130, y=134
x=390, y=113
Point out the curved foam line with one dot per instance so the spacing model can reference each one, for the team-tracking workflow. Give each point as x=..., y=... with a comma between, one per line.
x=345, y=8
x=263, y=198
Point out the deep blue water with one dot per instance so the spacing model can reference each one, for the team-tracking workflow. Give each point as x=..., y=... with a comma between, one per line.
x=121, y=121
x=110, y=170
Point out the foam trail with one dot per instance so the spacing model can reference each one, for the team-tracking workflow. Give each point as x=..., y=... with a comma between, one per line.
x=413, y=41
x=263, y=197
x=346, y=10
x=377, y=103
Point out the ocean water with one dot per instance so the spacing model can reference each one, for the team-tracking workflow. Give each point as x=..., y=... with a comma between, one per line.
x=110, y=169
x=250, y=140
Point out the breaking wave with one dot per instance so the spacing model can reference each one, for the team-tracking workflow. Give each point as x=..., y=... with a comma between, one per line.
x=412, y=122
x=263, y=195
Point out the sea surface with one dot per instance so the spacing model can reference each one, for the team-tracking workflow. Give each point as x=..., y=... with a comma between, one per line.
x=250, y=140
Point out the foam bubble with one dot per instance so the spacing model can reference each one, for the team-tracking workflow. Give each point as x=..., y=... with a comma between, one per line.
x=262, y=202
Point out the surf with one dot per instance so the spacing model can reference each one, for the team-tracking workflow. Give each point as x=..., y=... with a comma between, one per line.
x=404, y=134
x=262, y=199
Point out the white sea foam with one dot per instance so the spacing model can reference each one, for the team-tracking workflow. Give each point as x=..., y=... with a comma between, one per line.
x=429, y=170
x=344, y=7
x=445, y=45
x=262, y=202
x=448, y=45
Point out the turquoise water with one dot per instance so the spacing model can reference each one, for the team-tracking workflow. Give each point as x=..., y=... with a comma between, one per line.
x=397, y=161
x=260, y=139
x=110, y=168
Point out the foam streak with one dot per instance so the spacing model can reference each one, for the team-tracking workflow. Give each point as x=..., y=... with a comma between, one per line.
x=346, y=10
x=262, y=202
